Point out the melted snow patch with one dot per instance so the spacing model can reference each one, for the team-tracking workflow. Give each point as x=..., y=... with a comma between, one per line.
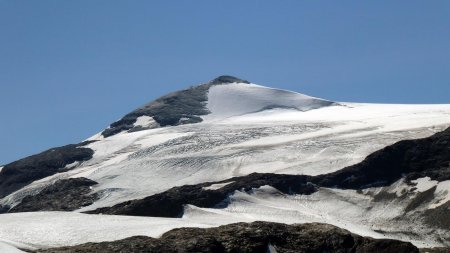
x=271, y=249
x=72, y=165
x=8, y=248
x=145, y=121
x=216, y=186
x=443, y=192
x=1, y=168
x=424, y=184
x=96, y=137
x=241, y=98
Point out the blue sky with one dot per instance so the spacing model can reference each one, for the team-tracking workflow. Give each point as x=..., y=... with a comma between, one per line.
x=69, y=68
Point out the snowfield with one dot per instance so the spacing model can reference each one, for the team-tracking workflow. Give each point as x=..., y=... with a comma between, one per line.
x=237, y=99
x=34, y=230
x=9, y=248
x=251, y=128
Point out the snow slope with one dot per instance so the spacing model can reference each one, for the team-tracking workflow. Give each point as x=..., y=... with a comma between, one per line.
x=52, y=229
x=8, y=248
x=237, y=99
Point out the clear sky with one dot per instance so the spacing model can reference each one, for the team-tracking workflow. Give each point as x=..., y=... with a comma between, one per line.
x=70, y=68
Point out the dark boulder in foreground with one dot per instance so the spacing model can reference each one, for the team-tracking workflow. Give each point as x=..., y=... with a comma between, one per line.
x=256, y=237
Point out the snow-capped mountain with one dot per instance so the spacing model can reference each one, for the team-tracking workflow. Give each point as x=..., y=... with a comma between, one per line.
x=232, y=151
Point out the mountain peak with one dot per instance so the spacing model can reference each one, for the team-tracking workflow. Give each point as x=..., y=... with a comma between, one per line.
x=211, y=101
x=227, y=79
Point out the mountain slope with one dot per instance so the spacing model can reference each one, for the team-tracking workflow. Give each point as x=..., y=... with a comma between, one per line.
x=246, y=152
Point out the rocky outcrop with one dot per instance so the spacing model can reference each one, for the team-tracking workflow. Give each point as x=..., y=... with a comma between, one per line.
x=64, y=195
x=16, y=175
x=227, y=79
x=439, y=216
x=254, y=237
x=181, y=107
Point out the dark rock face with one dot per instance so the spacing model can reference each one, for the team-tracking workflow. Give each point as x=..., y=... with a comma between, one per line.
x=177, y=108
x=168, y=110
x=381, y=168
x=439, y=216
x=422, y=197
x=63, y=195
x=254, y=237
x=227, y=79
x=22, y=172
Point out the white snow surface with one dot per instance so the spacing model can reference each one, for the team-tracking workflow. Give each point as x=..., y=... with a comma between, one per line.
x=237, y=99
x=216, y=186
x=442, y=194
x=6, y=247
x=145, y=121
x=424, y=183
x=54, y=229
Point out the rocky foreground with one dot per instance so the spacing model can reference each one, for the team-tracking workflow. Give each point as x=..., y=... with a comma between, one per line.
x=249, y=237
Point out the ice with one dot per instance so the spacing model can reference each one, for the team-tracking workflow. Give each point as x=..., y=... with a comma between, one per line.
x=424, y=183
x=54, y=229
x=145, y=121
x=442, y=194
x=6, y=247
x=241, y=98
x=216, y=186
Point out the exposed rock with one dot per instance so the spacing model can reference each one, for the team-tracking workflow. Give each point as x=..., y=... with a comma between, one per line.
x=439, y=216
x=249, y=237
x=227, y=79
x=16, y=175
x=168, y=110
x=421, y=198
x=64, y=195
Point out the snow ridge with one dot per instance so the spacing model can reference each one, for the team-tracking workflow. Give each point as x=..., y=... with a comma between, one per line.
x=238, y=99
